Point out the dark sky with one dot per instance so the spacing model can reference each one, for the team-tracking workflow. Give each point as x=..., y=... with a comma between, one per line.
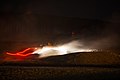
x=81, y=8
x=30, y=28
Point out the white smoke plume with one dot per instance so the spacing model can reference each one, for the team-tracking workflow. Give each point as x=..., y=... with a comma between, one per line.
x=71, y=47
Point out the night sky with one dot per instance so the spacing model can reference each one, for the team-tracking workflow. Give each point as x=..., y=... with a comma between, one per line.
x=43, y=21
x=95, y=9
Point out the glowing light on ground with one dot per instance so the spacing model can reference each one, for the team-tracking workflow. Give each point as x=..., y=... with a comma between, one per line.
x=45, y=51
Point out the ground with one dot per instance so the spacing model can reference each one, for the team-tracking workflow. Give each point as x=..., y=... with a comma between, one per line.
x=77, y=66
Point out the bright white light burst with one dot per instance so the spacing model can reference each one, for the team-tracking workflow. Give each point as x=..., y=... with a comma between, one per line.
x=71, y=47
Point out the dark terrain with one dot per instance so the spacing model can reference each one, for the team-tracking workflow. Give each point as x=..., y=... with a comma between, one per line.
x=84, y=66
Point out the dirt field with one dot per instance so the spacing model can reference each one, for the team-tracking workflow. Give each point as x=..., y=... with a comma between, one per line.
x=78, y=66
x=64, y=73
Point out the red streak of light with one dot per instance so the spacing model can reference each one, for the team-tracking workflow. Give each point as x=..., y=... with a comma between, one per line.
x=22, y=52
